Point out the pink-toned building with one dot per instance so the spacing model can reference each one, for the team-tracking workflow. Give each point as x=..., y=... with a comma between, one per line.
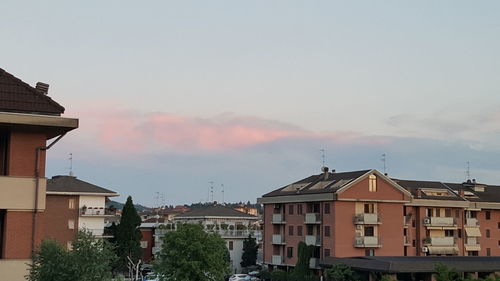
x=366, y=213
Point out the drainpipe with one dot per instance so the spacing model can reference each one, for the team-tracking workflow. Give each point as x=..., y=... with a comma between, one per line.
x=37, y=186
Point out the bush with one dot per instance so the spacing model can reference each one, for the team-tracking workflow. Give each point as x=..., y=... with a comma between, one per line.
x=279, y=275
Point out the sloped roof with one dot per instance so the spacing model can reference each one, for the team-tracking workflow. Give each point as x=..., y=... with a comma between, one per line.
x=414, y=186
x=491, y=193
x=215, y=210
x=318, y=183
x=70, y=184
x=18, y=96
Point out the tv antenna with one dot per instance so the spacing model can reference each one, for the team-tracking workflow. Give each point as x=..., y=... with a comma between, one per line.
x=70, y=164
x=211, y=191
x=222, y=191
x=467, y=172
x=323, y=156
x=384, y=161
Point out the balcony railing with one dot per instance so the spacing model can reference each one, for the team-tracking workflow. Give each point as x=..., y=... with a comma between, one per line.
x=99, y=232
x=439, y=241
x=367, y=242
x=406, y=240
x=278, y=239
x=278, y=219
x=312, y=218
x=96, y=212
x=277, y=260
x=366, y=219
x=440, y=221
x=472, y=241
x=313, y=240
x=238, y=233
x=314, y=263
x=472, y=222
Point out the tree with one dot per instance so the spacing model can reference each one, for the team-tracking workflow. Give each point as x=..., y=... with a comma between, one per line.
x=443, y=273
x=191, y=254
x=301, y=270
x=279, y=275
x=250, y=248
x=90, y=260
x=128, y=236
x=341, y=272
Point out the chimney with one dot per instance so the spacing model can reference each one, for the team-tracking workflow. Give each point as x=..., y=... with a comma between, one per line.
x=42, y=88
x=461, y=192
x=419, y=192
x=325, y=172
x=474, y=181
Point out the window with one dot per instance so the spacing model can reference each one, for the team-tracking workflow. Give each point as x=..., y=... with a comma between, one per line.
x=71, y=203
x=327, y=208
x=230, y=245
x=144, y=244
x=369, y=208
x=414, y=243
x=447, y=212
x=487, y=233
x=413, y=223
x=327, y=231
x=299, y=230
x=429, y=212
x=289, y=252
x=290, y=209
x=299, y=209
x=488, y=252
x=309, y=229
x=488, y=215
x=438, y=212
x=327, y=253
x=369, y=231
x=372, y=183
x=4, y=150
x=370, y=252
x=448, y=233
x=499, y=225
x=71, y=224
x=290, y=230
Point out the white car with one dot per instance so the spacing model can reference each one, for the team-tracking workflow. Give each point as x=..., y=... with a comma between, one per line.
x=239, y=277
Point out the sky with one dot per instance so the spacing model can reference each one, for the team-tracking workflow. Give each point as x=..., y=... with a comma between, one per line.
x=174, y=95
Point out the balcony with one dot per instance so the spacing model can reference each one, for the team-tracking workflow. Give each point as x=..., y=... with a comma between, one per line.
x=99, y=232
x=472, y=244
x=18, y=193
x=367, y=242
x=278, y=219
x=366, y=219
x=439, y=241
x=278, y=239
x=313, y=240
x=97, y=212
x=314, y=263
x=406, y=241
x=277, y=260
x=312, y=218
x=239, y=233
x=440, y=222
x=473, y=222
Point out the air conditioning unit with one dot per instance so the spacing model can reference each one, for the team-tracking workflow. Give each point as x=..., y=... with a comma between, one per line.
x=425, y=250
x=359, y=227
x=427, y=221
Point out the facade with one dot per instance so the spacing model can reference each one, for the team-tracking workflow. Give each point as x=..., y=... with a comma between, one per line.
x=28, y=120
x=233, y=226
x=72, y=205
x=366, y=213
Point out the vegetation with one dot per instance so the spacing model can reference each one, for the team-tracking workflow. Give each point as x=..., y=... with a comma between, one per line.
x=443, y=273
x=191, y=254
x=301, y=270
x=250, y=248
x=341, y=272
x=128, y=237
x=279, y=275
x=90, y=260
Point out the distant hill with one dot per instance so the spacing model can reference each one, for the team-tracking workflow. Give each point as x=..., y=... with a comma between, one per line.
x=119, y=206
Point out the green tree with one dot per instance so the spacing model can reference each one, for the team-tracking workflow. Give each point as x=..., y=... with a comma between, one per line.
x=90, y=260
x=250, y=248
x=128, y=236
x=301, y=270
x=341, y=272
x=191, y=254
x=279, y=275
x=443, y=273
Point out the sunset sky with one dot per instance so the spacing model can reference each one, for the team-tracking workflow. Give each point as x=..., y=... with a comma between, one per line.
x=174, y=94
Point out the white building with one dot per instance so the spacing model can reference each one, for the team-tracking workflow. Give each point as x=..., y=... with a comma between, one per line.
x=233, y=226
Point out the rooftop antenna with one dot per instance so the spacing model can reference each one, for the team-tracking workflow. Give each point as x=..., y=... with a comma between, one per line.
x=384, y=160
x=323, y=157
x=222, y=190
x=467, y=172
x=211, y=191
x=70, y=164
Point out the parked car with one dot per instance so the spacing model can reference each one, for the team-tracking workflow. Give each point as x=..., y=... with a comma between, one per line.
x=239, y=277
x=151, y=277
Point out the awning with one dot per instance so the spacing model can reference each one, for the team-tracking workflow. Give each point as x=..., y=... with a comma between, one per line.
x=472, y=247
x=472, y=231
x=435, y=250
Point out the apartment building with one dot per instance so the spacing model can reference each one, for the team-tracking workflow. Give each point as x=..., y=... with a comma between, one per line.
x=74, y=204
x=366, y=213
x=29, y=118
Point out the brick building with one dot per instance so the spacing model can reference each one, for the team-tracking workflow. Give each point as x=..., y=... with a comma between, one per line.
x=366, y=213
x=72, y=205
x=28, y=119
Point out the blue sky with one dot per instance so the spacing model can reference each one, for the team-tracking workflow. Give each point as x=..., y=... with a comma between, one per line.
x=172, y=95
